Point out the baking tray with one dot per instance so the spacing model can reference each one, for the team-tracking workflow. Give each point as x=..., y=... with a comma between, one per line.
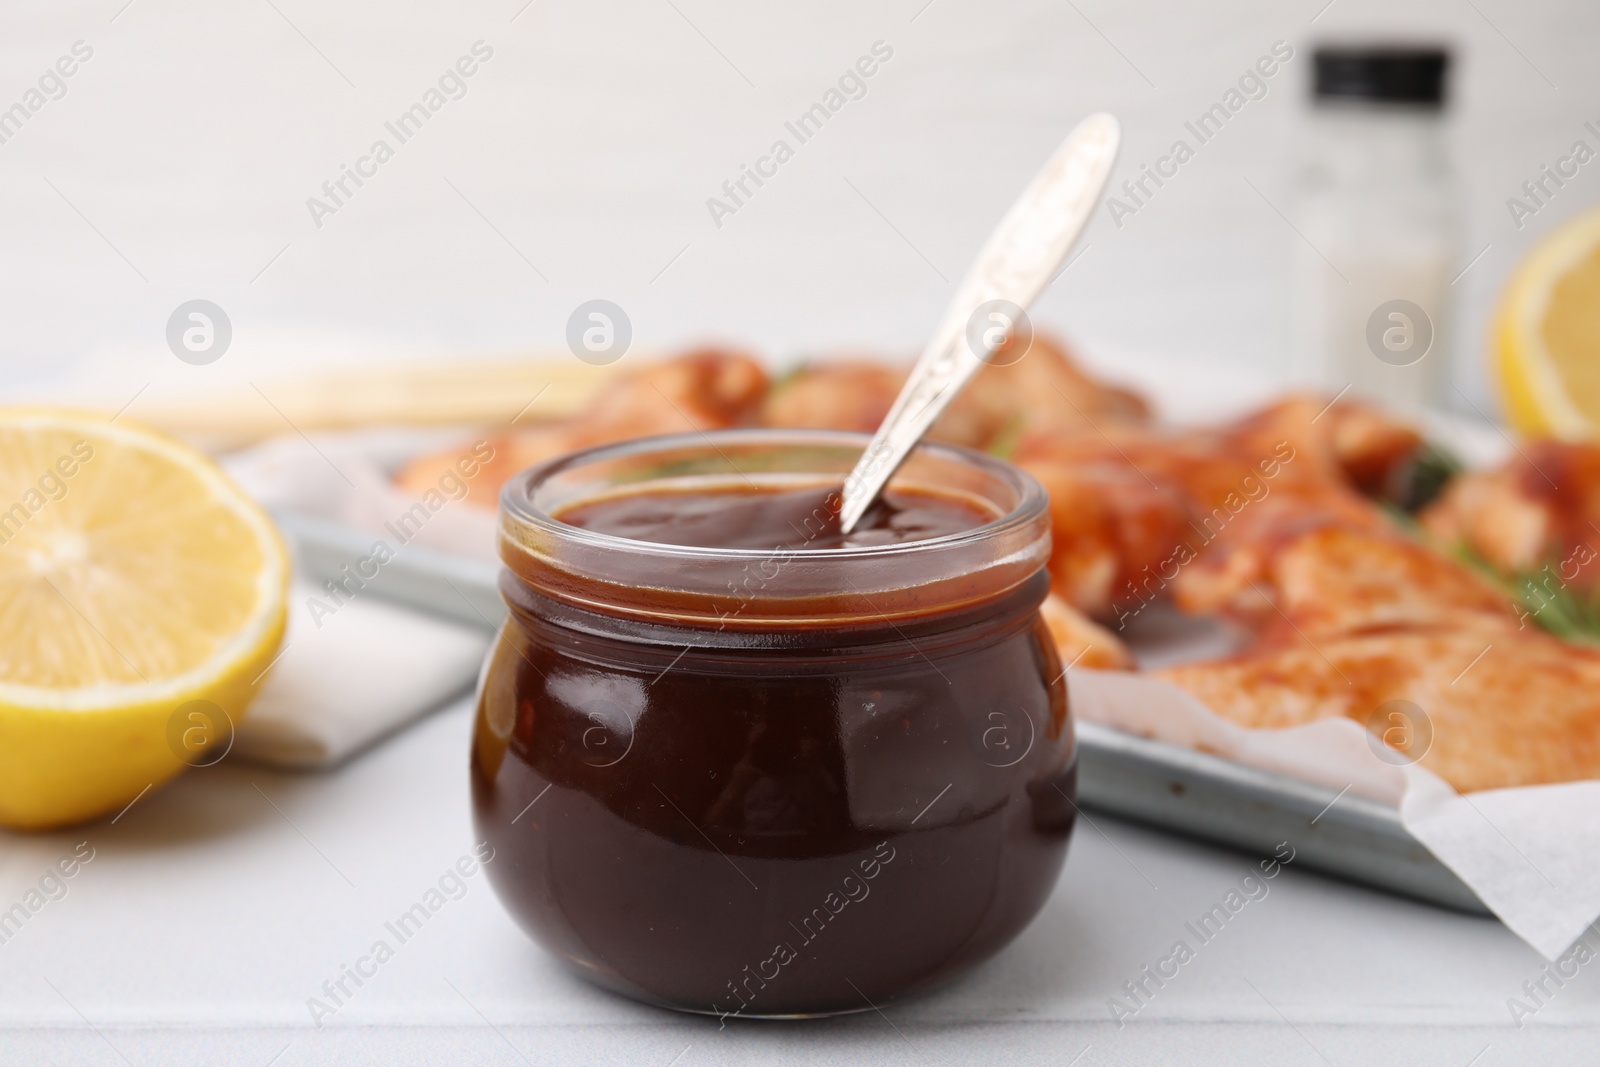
x=1149, y=782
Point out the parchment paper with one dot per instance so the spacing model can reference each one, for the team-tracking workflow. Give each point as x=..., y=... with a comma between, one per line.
x=1531, y=854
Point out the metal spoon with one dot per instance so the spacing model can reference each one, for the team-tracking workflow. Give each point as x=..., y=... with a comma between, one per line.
x=1019, y=260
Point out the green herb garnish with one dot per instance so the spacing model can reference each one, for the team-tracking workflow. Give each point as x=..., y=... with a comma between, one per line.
x=1425, y=476
x=1005, y=442
x=1554, y=605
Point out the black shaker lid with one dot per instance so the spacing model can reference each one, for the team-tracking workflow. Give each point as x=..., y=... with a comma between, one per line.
x=1388, y=74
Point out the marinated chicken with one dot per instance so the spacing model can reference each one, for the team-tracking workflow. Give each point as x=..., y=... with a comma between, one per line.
x=1272, y=521
x=707, y=389
x=1133, y=506
x=845, y=394
x=1043, y=389
x=1082, y=642
x=1537, y=515
x=1348, y=620
x=1506, y=708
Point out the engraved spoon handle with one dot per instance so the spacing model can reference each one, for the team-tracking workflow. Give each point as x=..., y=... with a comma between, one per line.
x=1019, y=260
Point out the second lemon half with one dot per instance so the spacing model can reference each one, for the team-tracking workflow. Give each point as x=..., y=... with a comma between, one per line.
x=1547, y=334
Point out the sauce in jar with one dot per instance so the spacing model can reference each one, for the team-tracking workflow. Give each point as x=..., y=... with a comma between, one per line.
x=733, y=761
x=748, y=516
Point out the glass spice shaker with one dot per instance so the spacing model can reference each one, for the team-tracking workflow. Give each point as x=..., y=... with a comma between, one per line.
x=1375, y=202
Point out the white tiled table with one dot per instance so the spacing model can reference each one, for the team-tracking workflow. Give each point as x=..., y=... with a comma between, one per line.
x=209, y=915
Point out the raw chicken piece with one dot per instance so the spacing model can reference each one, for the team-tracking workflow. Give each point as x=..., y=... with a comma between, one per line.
x=1292, y=574
x=842, y=394
x=1526, y=713
x=1370, y=448
x=1349, y=617
x=512, y=452
x=1135, y=507
x=1081, y=642
x=1542, y=508
x=707, y=389
x=1109, y=523
x=1044, y=389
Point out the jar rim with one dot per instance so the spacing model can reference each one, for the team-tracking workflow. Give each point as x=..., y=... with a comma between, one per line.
x=518, y=507
x=989, y=558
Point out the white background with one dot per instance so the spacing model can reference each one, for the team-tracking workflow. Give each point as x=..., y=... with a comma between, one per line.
x=592, y=139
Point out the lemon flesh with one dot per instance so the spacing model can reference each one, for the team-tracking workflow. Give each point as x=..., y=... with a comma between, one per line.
x=135, y=580
x=1547, y=335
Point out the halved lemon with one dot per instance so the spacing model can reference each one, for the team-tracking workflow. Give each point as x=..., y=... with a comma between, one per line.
x=1547, y=334
x=142, y=598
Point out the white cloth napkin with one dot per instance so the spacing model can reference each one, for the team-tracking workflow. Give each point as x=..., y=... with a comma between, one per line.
x=344, y=680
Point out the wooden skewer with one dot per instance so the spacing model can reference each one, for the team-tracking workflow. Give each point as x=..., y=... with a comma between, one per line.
x=479, y=393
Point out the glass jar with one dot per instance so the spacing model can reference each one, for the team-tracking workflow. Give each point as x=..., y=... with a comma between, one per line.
x=772, y=783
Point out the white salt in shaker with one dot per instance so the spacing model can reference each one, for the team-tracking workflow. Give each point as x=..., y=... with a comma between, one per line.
x=1375, y=204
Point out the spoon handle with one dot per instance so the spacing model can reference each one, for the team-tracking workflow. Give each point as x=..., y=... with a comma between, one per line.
x=1019, y=260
